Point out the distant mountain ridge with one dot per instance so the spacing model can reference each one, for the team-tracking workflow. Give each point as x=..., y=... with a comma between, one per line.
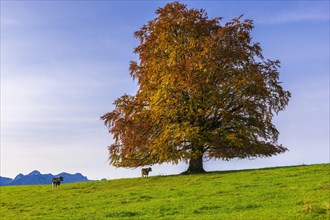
x=36, y=178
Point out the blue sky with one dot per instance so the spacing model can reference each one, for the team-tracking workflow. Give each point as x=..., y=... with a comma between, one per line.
x=63, y=63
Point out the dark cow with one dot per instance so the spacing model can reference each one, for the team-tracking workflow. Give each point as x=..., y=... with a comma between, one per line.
x=145, y=171
x=57, y=181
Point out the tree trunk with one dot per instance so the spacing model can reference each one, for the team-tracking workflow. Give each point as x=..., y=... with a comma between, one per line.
x=195, y=166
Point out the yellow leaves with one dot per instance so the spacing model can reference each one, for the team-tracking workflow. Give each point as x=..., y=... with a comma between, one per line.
x=200, y=84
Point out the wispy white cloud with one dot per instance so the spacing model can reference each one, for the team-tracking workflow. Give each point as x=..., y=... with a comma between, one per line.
x=307, y=14
x=5, y=21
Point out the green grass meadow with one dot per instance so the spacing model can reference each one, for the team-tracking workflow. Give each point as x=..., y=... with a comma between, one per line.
x=298, y=192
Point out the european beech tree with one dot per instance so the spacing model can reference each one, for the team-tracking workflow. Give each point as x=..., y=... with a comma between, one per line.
x=204, y=91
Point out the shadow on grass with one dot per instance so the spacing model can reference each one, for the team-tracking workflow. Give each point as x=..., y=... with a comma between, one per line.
x=245, y=170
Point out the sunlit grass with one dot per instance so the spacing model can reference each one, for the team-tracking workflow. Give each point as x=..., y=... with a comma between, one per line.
x=300, y=192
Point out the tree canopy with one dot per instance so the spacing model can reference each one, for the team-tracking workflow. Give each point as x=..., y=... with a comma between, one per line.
x=204, y=91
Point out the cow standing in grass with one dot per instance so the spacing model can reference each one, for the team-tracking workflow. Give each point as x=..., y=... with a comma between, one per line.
x=57, y=182
x=145, y=172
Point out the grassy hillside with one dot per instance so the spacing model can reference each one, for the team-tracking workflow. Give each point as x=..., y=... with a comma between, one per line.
x=299, y=192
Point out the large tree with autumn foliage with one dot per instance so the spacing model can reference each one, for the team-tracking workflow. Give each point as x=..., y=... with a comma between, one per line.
x=205, y=91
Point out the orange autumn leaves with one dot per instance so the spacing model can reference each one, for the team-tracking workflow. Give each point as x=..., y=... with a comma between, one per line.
x=205, y=90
